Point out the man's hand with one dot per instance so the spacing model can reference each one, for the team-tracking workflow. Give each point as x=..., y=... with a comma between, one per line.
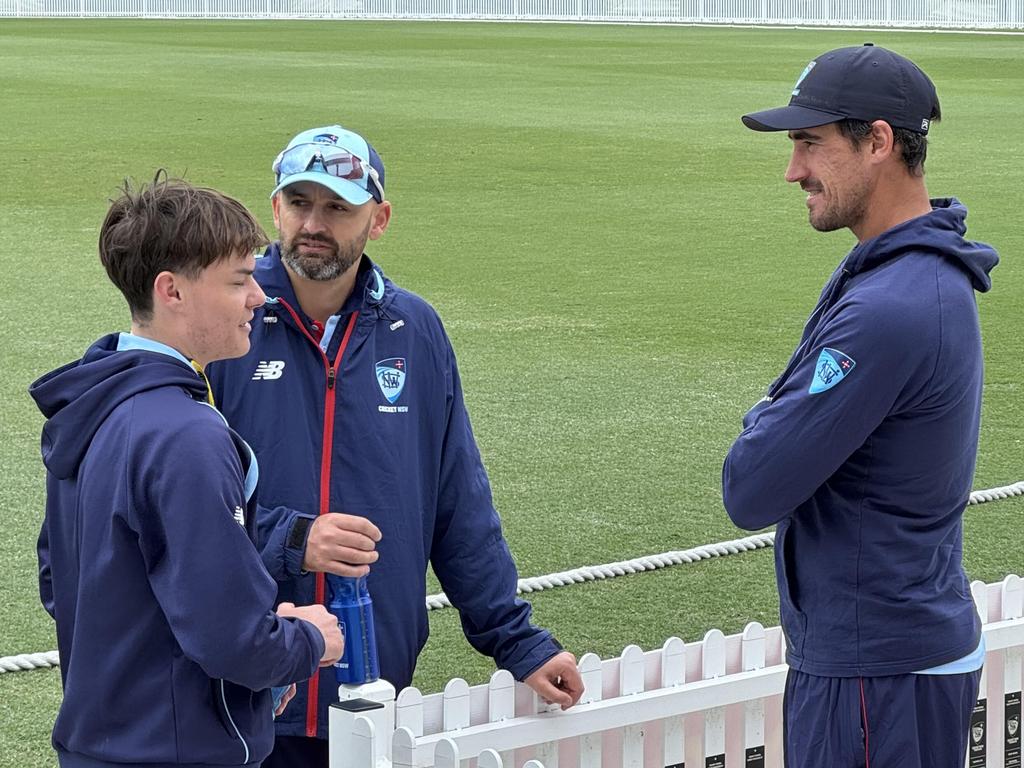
x=557, y=680
x=285, y=698
x=323, y=620
x=341, y=544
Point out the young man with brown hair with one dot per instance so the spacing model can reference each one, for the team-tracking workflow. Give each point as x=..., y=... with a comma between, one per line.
x=168, y=638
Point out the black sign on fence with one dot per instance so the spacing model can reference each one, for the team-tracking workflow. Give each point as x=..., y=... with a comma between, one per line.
x=976, y=740
x=755, y=757
x=676, y=765
x=714, y=761
x=1011, y=744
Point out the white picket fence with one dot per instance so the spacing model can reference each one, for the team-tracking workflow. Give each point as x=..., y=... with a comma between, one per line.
x=713, y=703
x=950, y=14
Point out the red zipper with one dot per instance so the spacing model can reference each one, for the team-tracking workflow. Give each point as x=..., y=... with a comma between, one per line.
x=325, y=480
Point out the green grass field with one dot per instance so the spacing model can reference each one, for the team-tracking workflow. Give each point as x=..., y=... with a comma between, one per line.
x=619, y=262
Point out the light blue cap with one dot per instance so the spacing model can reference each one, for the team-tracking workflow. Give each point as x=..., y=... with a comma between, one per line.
x=356, y=191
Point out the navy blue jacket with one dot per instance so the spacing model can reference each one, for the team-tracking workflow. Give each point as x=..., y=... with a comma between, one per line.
x=863, y=454
x=400, y=451
x=164, y=612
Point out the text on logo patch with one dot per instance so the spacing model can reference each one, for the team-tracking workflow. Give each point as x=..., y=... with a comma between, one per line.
x=832, y=367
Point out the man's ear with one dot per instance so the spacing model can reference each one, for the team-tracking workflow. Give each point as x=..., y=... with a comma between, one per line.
x=167, y=291
x=381, y=218
x=275, y=203
x=881, y=142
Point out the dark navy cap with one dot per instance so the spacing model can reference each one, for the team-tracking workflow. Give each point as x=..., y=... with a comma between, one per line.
x=862, y=83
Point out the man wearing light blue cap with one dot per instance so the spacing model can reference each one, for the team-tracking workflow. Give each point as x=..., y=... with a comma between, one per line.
x=350, y=397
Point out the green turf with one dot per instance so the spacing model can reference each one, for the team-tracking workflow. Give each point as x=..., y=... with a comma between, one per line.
x=619, y=262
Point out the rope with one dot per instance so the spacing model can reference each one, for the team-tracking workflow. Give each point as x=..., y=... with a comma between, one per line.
x=992, y=494
x=579, y=575
x=637, y=565
x=651, y=562
x=29, y=661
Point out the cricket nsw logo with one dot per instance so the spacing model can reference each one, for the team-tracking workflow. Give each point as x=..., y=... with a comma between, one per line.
x=832, y=367
x=391, y=375
x=268, y=369
x=804, y=74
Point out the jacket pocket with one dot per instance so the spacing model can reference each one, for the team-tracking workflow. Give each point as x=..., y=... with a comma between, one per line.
x=794, y=622
x=234, y=718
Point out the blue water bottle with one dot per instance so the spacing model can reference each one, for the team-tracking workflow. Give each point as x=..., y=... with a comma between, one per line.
x=352, y=607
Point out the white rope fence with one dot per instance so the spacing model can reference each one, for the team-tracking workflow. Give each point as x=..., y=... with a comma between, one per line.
x=579, y=575
x=648, y=563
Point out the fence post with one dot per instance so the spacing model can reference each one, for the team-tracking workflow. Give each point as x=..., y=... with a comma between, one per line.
x=409, y=710
x=1013, y=608
x=456, y=704
x=364, y=752
x=753, y=650
x=590, y=744
x=491, y=759
x=374, y=702
x=631, y=681
x=978, y=739
x=446, y=754
x=548, y=751
x=673, y=673
x=501, y=705
x=403, y=748
x=713, y=665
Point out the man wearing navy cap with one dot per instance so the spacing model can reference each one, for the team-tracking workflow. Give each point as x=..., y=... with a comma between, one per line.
x=350, y=397
x=862, y=452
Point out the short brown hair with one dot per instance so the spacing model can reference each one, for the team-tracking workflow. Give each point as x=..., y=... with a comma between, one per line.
x=170, y=225
x=913, y=144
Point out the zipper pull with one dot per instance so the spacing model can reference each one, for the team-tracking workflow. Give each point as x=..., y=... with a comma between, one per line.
x=330, y=378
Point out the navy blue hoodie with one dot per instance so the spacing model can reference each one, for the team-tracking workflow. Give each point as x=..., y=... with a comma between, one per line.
x=371, y=422
x=863, y=455
x=164, y=612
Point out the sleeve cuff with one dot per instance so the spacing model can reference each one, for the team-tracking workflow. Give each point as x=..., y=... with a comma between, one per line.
x=535, y=659
x=295, y=544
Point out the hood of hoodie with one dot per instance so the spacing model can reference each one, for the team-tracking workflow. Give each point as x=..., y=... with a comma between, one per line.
x=77, y=398
x=941, y=231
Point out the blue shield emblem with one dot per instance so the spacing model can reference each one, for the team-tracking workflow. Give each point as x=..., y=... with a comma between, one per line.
x=832, y=367
x=391, y=377
x=805, y=73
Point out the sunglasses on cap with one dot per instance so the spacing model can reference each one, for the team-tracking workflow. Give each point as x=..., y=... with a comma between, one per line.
x=334, y=161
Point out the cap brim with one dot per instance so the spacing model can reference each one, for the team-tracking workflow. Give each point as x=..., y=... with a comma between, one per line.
x=343, y=188
x=790, y=118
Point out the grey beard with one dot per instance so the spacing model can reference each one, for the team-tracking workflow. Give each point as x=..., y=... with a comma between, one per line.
x=319, y=269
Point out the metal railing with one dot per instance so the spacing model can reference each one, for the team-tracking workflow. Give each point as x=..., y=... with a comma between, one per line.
x=938, y=14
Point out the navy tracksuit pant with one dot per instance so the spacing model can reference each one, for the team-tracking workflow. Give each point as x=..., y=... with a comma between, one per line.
x=902, y=721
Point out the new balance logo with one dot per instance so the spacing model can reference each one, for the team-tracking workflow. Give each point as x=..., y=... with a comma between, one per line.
x=240, y=516
x=268, y=369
